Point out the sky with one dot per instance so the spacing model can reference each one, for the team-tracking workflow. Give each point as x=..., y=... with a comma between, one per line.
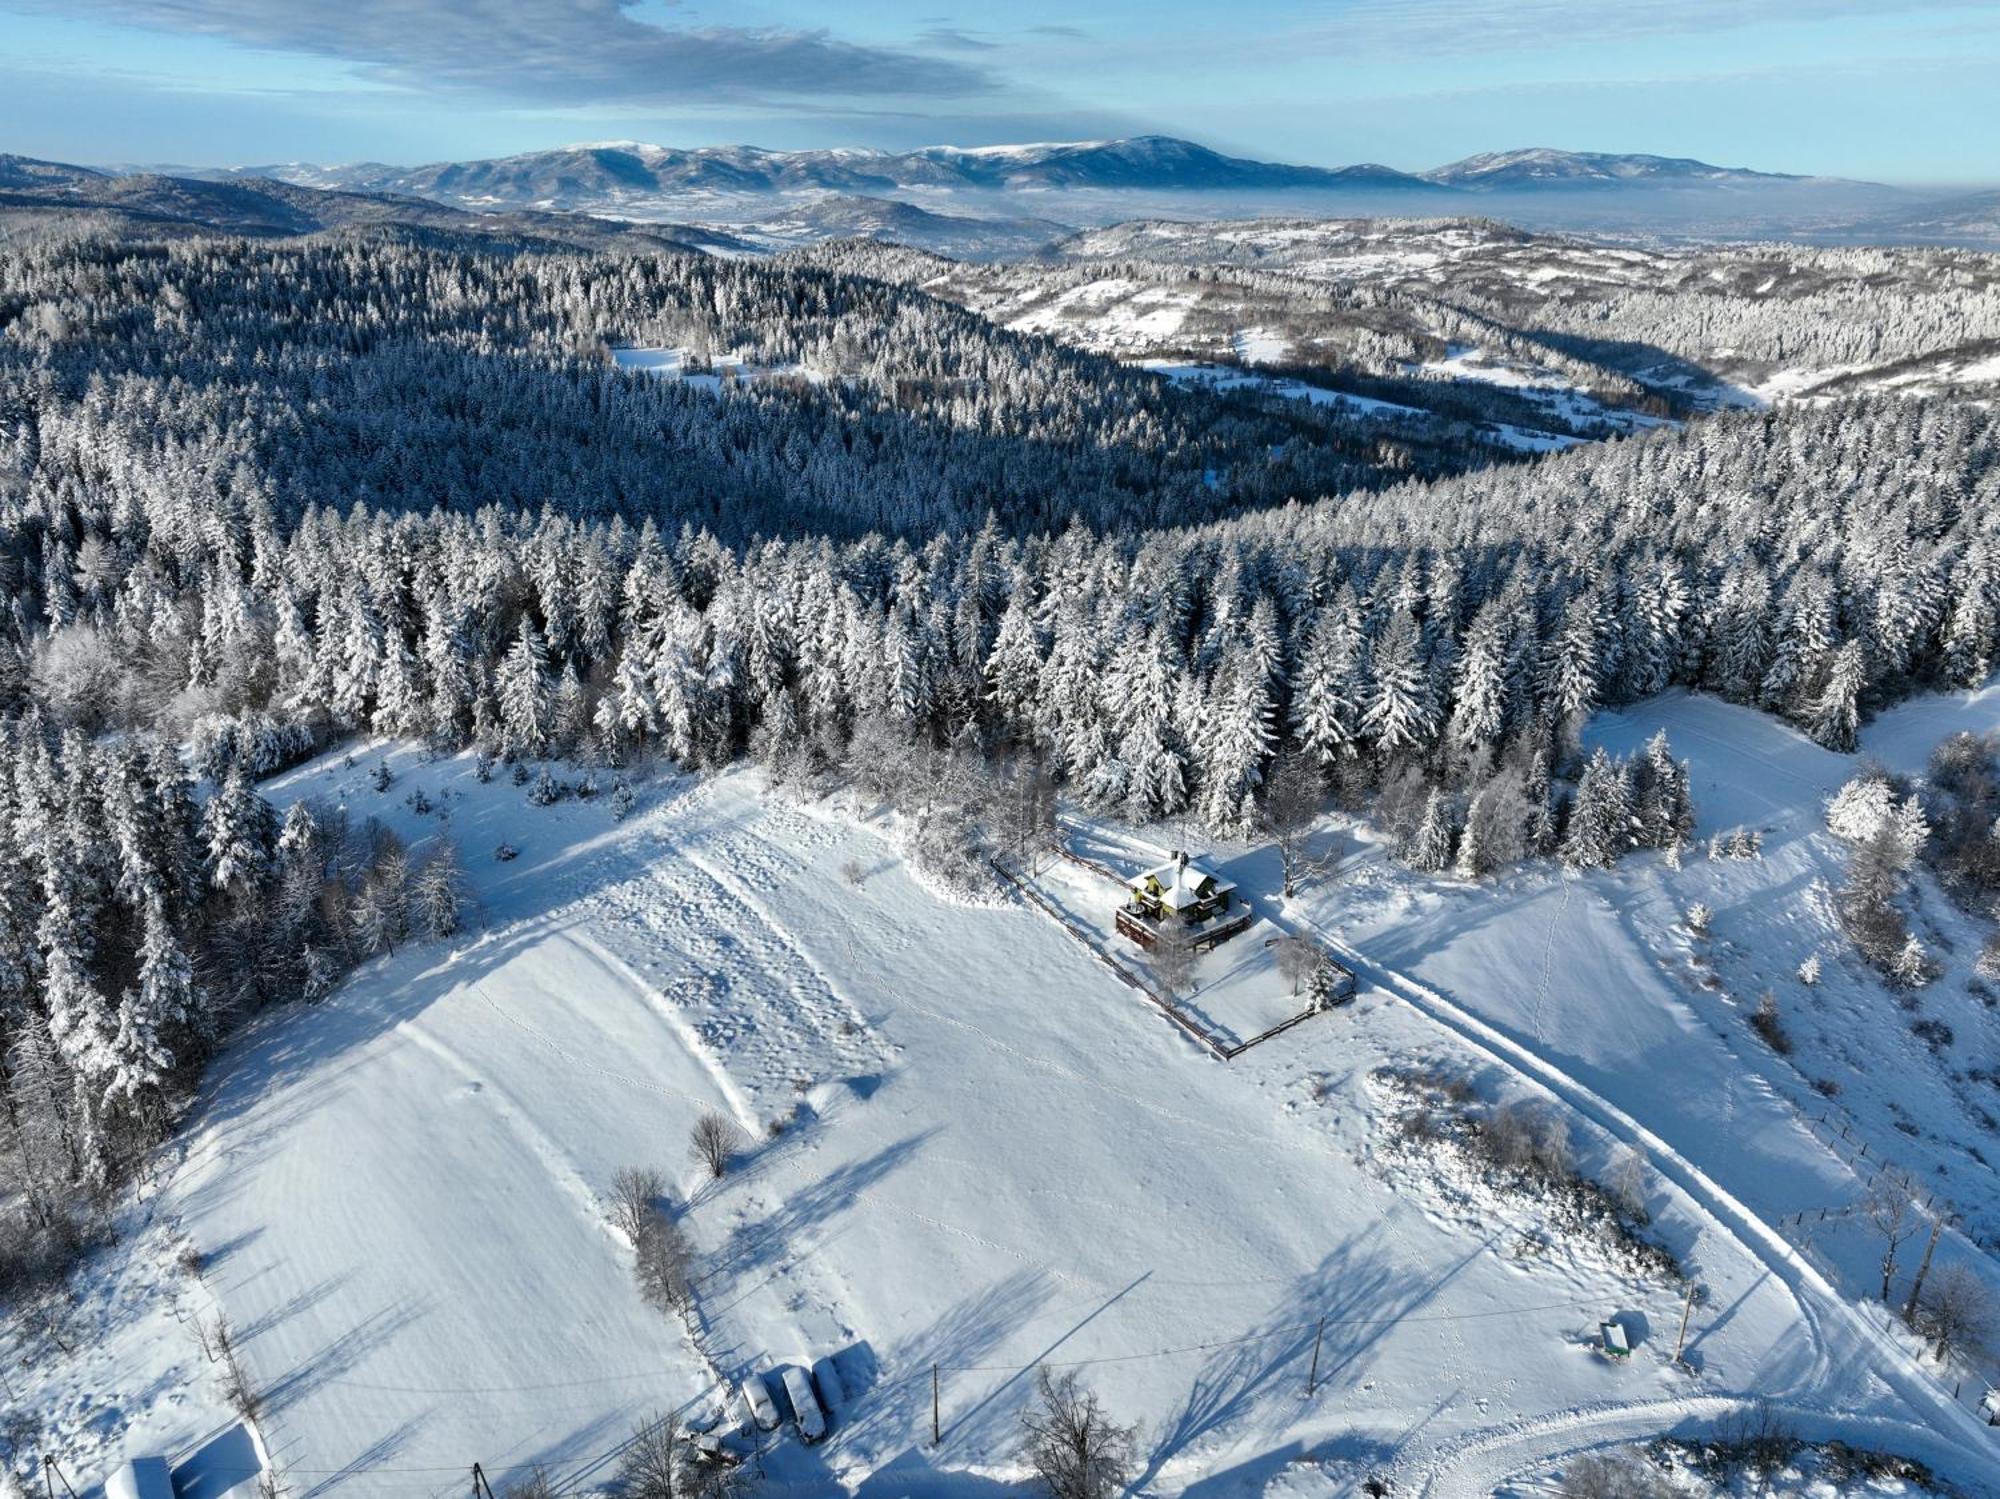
x=1888, y=90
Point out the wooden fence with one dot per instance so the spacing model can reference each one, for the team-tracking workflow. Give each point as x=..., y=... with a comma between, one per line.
x=1201, y=1034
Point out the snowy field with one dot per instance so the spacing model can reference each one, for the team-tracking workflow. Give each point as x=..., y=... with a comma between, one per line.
x=975, y=1150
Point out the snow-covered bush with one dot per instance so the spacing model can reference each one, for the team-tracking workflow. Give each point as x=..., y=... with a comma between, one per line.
x=547, y=790
x=1868, y=807
x=1522, y=1151
x=1988, y=964
x=1765, y=1022
x=622, y=800
x=1699, y=915
x=1809, y=970
x=1912, y=967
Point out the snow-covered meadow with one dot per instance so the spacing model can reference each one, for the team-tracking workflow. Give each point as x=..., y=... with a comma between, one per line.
x=972, y=1150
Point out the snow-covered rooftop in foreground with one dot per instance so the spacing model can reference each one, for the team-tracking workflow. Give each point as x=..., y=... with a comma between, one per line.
x=1183, y=880
x=991, y=1154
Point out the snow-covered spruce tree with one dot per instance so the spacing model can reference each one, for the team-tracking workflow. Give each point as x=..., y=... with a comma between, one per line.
x=241, y=832
x=1430, y=847
x=1835, y=715
x=1600, y=823
x=1237, y=742
x=527, y=714
x=1326, y=709
x=1400, y=718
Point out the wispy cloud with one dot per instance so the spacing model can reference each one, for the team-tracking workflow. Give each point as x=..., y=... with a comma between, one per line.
x=553, y=51
x=954, y=39
x=1413, y=27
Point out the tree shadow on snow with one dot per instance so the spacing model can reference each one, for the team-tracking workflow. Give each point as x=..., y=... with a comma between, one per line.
x=340, y=1355
x=761, y=1244
x=897, y=1412
x=1362, y=1296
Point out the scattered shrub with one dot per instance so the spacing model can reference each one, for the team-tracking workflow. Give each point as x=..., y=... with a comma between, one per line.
x=1764, y=1021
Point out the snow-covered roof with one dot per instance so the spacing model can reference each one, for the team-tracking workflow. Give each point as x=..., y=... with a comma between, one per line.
x=1181, y=881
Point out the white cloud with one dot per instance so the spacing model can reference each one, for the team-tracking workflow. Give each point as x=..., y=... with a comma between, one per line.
x=554, y=51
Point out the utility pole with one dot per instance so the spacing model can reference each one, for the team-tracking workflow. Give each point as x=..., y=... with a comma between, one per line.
x=936, y=1438
x=48, y=1467
x=1930, y=1247
x=1687, y=1311
x=479, y=1484
x=1312, y=1376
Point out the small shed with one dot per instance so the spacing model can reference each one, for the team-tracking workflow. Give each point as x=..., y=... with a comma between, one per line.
x=141, y=1478
x=1612, y=1342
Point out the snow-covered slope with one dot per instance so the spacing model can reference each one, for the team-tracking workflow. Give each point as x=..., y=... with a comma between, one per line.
x=974, y=1149
x=1719, y=326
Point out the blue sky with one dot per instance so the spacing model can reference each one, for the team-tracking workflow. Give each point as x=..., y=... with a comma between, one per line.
x=1895, y=90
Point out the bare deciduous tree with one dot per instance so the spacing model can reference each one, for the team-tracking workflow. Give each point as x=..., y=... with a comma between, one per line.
x=535, y=1484
x=236, y=1386
x=635, y=1190
x=1759, y=1439
x=1530, y=1136
x=664, y=1265
x=1956, y=1312
x=1625, y=1180
x=1890, y=1207
x=1172, y=956
x=1298, y=956
x=1613, y=1475
x=1291, y=805
x=651, y=1465
x=1076, y=1450
x=714, y=1142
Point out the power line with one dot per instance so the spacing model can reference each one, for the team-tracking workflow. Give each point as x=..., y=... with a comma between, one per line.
x=1261, y=1335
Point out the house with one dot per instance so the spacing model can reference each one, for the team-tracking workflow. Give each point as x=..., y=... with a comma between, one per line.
x=1182, y=893
x=1182, y=888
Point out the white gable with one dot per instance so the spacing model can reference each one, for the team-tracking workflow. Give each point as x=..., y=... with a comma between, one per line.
x=1180, y=884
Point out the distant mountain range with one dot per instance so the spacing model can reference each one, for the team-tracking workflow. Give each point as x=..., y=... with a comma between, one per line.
x=980, y=202
x=58, y=195
x=610, y=172
x=1541, y=169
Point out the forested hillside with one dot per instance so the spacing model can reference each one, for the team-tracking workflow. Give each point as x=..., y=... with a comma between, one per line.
x=376, y=373
x=254, y=498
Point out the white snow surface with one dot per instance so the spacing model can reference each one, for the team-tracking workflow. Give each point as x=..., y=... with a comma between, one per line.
x=993, y=1154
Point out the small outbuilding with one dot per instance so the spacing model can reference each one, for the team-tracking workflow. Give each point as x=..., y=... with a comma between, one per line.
x=1612, y=1342
x=141, y=1478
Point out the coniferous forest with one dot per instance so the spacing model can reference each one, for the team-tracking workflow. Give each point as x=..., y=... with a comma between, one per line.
x=257, y=497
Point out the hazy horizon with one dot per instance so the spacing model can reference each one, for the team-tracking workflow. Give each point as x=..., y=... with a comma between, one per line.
x=1893, y=91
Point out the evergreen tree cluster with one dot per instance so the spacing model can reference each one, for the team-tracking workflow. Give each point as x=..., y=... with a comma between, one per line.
x=138, y=923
